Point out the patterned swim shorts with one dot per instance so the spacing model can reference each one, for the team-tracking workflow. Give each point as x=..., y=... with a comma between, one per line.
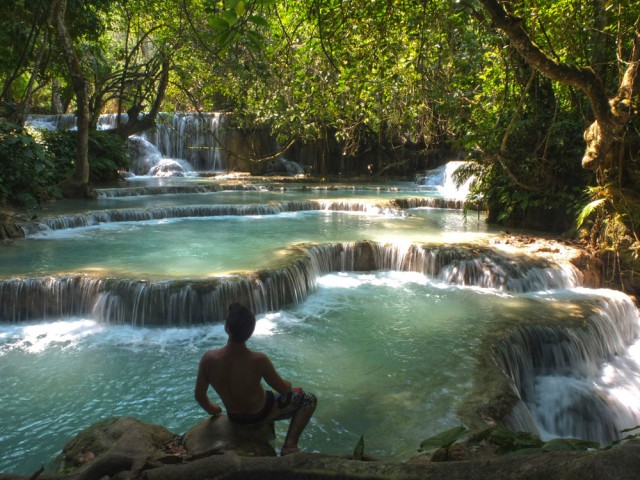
x=291, y=402
x=287, y=405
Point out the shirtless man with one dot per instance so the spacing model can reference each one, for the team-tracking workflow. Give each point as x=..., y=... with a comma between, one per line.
x=236, y=373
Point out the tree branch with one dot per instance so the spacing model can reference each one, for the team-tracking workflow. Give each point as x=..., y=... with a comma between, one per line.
x=610, y=117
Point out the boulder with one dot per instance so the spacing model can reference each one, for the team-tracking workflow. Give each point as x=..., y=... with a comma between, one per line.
x=116, y=437
x=282, y=166
x=168, y=168
x=217, y=435
x=9, y=229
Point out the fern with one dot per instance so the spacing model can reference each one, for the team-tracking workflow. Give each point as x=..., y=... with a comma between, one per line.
x=588, y=210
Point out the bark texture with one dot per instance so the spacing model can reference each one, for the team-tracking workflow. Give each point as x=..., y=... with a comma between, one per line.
x=77, y=184
x=605, y=134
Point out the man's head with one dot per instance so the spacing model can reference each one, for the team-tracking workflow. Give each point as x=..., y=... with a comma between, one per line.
x=240, y=323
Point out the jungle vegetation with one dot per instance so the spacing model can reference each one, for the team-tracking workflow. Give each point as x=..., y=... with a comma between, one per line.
x=541, y=96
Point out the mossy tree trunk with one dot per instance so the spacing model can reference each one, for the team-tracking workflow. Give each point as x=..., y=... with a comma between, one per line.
x=604, y=137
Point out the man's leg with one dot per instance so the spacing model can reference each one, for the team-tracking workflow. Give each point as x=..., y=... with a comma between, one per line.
x=299, y=421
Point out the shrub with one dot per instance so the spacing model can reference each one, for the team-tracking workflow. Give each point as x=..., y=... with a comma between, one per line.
x=107, y=153
x=28, y=174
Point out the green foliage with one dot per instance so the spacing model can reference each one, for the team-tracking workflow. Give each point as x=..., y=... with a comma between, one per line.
x=107, y=154
x=358, y=451
x=28, y=172
x=589, y=210
x=608, y=222
x=508, y=442
x=444, y=439
x=369, y=76
x=626, y=438
x=552, y=208
x=32, y=167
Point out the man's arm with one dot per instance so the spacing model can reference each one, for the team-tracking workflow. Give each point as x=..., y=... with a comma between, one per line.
x=200, y=393
x=271, y=376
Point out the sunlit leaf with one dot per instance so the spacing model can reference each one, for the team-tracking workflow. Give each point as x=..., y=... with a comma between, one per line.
x=258, y=20
x=444, y=439
x=568, y=444
x=358, y=451
x=219, y=24
x=588, y=210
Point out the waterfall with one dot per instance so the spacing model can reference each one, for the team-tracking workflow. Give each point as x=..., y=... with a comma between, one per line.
x=478, y=267
x=26, y=299
x=357, y=206
x=144, y=154
x=570, y=374
x=159, y=190
x=88, y=219
x=197, y=139
x=442, y=180
x=431, y=202
x=196, y=301
x=52, y=122
x=566, y=375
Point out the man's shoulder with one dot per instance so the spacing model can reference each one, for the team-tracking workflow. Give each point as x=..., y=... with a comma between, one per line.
x=212, y=354
x=260, y=357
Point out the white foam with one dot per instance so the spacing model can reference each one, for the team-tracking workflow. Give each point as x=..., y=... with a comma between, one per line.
x=36, y=338
x=79, y=333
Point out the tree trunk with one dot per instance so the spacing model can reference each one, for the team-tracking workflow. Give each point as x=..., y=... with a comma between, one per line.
x=604, y=135
x=23, y=111
x=136, y=124
x=77, y=184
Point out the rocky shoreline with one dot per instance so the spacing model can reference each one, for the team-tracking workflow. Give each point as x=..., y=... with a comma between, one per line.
x=126, y=448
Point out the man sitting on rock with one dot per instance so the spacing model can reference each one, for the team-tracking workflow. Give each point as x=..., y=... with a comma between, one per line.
x=236, y=373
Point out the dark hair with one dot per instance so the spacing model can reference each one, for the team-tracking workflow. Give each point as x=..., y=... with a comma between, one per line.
x=240, y=323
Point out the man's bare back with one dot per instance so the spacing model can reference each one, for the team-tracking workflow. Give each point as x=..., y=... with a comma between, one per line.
x=236, y=374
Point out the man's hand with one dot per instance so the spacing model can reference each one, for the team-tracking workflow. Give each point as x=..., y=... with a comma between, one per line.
x=215, y=410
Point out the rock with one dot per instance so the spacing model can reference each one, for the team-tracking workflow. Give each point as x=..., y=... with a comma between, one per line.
x=9, y=229
x=216, y=435
x=144, y=155
x=167, y=168
x=122, y=448
x=282, y=166
x=621, y=462
x=115, y=437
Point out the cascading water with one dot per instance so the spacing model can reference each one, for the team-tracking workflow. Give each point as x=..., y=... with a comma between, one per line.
x=442, y=179
x=186, y=142
x=198, y=139
x=52, y=122
x=386, y=331
x=179, y=145
x=577, y=379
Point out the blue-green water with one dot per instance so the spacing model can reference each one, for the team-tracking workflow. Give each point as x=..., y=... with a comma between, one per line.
x=389, y=354
x=204, y=246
